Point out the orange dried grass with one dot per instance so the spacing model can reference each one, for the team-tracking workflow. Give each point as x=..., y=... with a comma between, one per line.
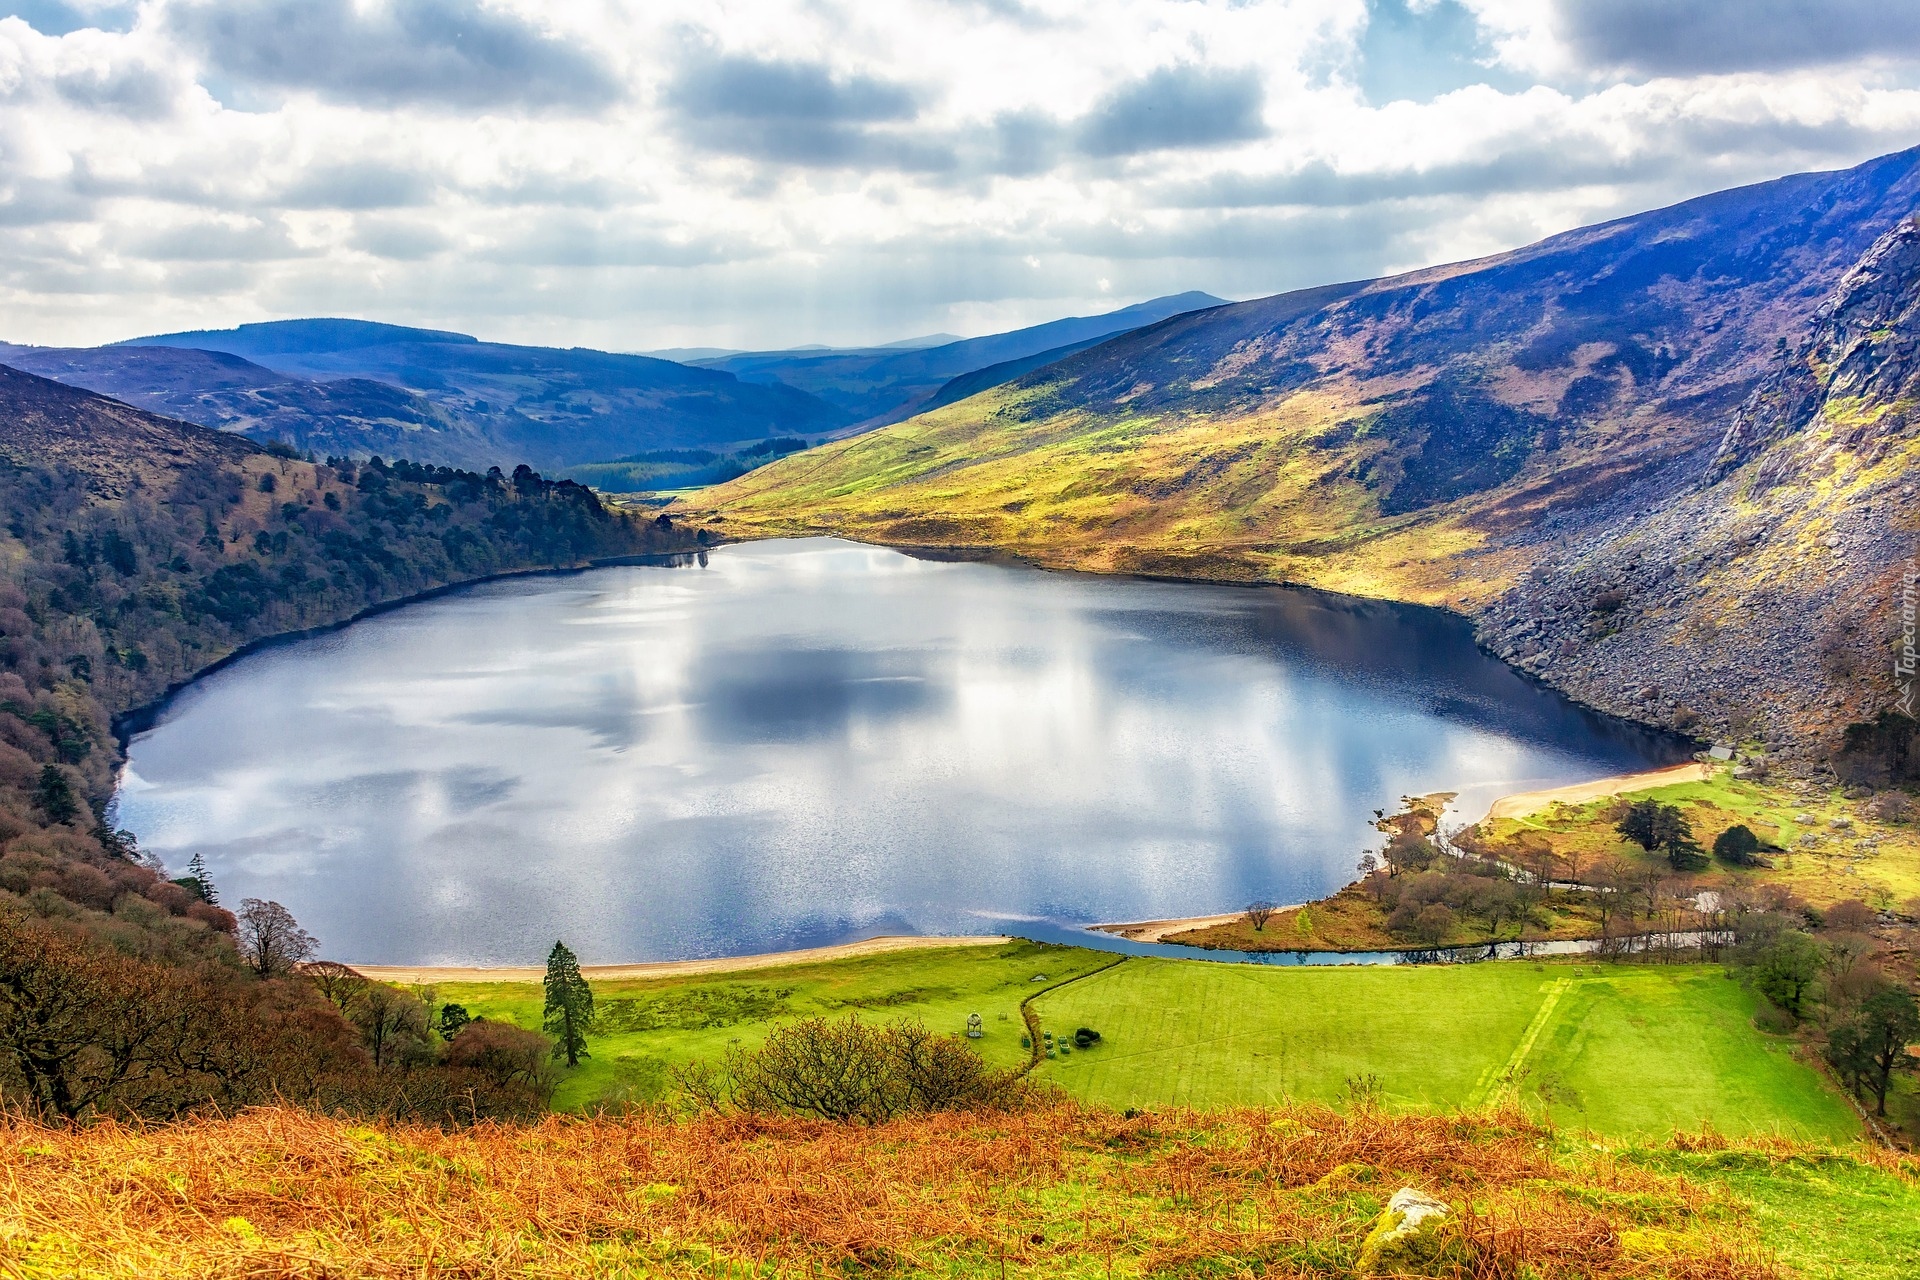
x=281, y=1192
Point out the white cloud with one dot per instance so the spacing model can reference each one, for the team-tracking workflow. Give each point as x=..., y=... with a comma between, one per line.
x=766, y=172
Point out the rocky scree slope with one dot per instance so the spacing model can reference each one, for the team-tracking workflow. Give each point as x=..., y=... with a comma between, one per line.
x=1427, y=437
x=1762, y=597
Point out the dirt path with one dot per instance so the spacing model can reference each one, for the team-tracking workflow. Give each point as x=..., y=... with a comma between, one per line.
x=425, y=974
x=1533, y=801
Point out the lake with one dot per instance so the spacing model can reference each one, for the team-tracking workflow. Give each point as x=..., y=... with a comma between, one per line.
x=810, y=741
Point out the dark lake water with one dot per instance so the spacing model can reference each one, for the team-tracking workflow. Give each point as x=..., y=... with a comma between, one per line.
x=808, y=742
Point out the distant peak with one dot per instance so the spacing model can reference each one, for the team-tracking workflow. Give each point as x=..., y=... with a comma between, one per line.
x=291, y=336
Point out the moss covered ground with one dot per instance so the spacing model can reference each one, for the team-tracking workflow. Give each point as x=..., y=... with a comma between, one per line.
x=1620, y=1050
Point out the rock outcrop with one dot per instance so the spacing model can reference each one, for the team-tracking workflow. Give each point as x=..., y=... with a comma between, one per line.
x=1858, y=365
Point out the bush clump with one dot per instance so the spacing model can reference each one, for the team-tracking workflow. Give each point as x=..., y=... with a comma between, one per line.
x=852, y=1071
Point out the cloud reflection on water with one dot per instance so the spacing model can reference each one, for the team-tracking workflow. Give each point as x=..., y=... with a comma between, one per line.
x=810, y=741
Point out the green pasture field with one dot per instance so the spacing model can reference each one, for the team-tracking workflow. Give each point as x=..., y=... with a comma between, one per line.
x=1624, y=1050
x=1621, y=1050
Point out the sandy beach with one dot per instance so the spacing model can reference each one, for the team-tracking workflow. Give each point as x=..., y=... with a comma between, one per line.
x=1526, y=802
x=1157, y=930
x=432, y=974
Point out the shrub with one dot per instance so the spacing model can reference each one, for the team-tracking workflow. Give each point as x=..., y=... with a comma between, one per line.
x=1851, y=916
x=853, y=1071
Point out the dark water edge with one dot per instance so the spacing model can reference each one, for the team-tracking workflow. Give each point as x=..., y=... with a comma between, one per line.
x=137, y=720
x=1358, y=613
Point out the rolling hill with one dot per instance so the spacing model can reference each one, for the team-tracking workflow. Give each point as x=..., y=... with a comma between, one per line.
x=885, y=384
x=1496, y=436
x=453, y=398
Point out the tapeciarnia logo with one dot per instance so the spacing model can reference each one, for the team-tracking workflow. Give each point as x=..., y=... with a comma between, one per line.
x=1908, y=662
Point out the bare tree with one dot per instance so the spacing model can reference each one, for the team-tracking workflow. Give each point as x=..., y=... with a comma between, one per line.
x=1258, y=913
x=271, y=940
x=507, y=1054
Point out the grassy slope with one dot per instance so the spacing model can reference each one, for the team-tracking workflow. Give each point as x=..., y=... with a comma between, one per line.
x=1826, y=1219
x=1623, y=1051
x=1824, y=863
x=1261, y=496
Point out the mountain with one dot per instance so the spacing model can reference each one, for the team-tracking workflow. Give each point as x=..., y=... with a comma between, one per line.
x=350, y=417
x=440, y=397
x=1457, y=435
x=885, y=384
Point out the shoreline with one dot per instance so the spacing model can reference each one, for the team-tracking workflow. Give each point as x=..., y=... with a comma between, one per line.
x=1150, y=932
x=427, y=974
x=1526, y=802
x=1157, y=930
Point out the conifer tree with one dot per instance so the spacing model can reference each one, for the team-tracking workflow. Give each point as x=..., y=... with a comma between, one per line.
x=569, y=1005
x=202, y=879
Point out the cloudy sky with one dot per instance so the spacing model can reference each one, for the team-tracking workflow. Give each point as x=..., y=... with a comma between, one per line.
x=769, y=172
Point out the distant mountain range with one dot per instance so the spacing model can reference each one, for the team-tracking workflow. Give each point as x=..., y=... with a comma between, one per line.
x=1530, y=437
x=356, y=388
x=877, y=385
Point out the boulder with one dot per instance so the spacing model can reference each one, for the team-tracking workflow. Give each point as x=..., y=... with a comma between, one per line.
x=1410, y=1236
